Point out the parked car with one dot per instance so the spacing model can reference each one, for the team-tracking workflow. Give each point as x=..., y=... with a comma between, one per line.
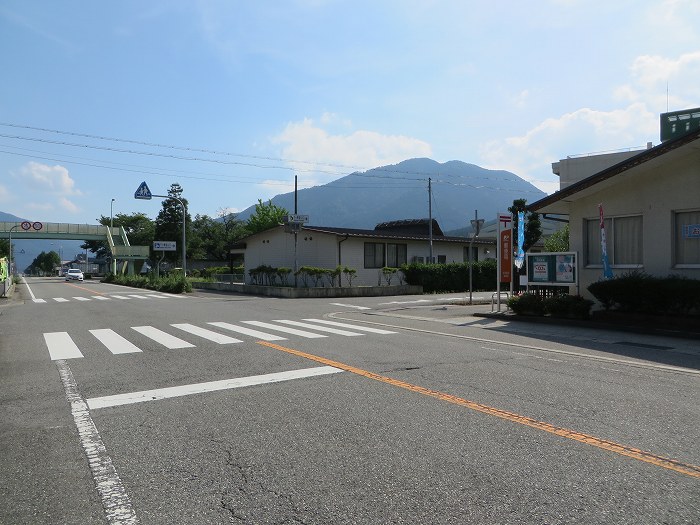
x=74, y=274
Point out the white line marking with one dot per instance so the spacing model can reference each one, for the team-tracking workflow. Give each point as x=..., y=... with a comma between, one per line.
x=24, y=281
x=81, y=298
x=138, y=296
x=61, y=346
x=319, y=328
x=211, y=386
x=351, y=306
x=60, y=300
x=101, y=298
x=167, y=340
x=206, y=334
x=114, y=342
x=249, y=331
x=120, y=297
x=352, y=327
x=153, y=296
x=286, y=330
x=115, y=500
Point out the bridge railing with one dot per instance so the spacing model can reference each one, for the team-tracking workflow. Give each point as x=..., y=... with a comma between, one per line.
x=56, y=227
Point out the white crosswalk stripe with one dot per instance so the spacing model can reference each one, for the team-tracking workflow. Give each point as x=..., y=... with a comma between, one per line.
x=61, y=346
x=206, y=334
x=102, y=298
x=81, y=298
x=284, y=329
x=345, y=325
x=167, y=340
x=114, y=342
x=60, y=299
x=249, y=331
x=107, y=298
x=319, y=328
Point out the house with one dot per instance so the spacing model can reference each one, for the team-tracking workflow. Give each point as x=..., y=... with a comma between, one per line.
x=366, y=251
x=650, y=200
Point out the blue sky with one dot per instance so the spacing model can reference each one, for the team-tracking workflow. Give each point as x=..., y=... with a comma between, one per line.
x=231, y=99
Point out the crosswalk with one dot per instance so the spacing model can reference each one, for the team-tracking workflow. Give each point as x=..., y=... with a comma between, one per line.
x=118, y=297
x=61, y=345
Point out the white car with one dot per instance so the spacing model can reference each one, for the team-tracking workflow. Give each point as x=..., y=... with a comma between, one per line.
x=74, y=274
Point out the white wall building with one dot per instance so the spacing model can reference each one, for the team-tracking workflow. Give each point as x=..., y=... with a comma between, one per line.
x=651, y=204
x=366, y=251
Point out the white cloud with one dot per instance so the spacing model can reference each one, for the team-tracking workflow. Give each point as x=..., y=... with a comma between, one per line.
x=48, y=179
x=68, y=206
x=583, y=131
x=324, y=156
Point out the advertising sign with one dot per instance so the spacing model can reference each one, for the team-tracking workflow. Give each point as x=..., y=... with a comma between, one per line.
x=552, y=269
x=505, y=247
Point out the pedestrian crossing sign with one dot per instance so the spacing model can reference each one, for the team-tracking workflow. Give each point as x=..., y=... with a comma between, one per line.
x=142, y=192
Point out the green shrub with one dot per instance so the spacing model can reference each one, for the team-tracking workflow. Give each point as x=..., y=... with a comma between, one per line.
x=639, y=292
x=453, y=277
x=526, y=304
x=569, y=306
x=169, y=284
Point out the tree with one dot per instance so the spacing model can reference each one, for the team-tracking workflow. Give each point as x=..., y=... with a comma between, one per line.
x=212, y=239
x=140, y=230
x=46, y=262
x=558, y=241
x=4, y=247
x=168, y=225
x=266, y=216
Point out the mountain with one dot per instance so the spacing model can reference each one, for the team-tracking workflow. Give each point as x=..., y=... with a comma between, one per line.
x=8, y=217
x=400, y=191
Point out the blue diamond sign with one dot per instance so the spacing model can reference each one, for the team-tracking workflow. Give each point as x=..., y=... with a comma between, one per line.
x=142, y=192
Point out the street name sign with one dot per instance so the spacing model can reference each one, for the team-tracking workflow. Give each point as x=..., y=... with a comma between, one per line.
x=164, y=246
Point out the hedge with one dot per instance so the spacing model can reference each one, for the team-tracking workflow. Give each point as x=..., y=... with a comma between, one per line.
x=643, y=293
x=453, y=277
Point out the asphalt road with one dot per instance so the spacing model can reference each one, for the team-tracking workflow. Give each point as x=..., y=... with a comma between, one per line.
x=121, y=405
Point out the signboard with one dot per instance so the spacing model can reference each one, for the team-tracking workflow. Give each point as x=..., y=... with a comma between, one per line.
x=691, y=231
x=555, y=269
x=142, y=192
x=164, y=246
x=505, y=247
x=297, y=218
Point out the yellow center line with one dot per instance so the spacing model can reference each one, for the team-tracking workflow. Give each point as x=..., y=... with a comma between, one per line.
x=624, y=450
x=86, y=289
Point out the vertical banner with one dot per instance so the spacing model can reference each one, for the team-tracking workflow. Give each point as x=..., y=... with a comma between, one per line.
x=520, y=253
x=505, y=247
x=607, y=271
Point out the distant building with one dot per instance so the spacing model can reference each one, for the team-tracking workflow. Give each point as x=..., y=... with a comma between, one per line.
x=367, y=251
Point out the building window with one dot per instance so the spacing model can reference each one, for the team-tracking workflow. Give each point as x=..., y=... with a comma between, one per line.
x=624, y=241
x=374, y=255
x=686, y=233
x=442, y=259
x=396, y=255
x=475, y=254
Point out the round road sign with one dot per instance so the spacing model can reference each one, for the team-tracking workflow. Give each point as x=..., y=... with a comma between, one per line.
x=26, y=225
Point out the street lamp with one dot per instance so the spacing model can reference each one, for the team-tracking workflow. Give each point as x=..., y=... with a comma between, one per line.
x=111, y=225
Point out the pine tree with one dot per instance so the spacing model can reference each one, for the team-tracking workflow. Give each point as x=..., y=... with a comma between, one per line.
x=169, y=221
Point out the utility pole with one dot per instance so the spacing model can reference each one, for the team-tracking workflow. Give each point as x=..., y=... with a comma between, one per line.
x=430, y=219
x=476, y=225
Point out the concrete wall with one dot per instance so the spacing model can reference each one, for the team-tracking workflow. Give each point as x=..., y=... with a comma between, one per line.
x=574, y=169
x=655, y=191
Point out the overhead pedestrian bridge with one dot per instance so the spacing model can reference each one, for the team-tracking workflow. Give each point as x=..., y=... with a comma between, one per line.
x=115, y=237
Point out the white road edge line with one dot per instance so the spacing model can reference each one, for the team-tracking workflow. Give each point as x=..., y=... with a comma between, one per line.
x=24, y=281
x=211, y=386
x=115, y=500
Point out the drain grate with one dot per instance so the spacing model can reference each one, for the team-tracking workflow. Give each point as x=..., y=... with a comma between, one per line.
x=643, y=345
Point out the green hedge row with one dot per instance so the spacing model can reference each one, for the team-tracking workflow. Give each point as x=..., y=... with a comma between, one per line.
x=643, y=293
x=569, y=306
x=309, y=275
x=453, y=277
x=171, y=284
